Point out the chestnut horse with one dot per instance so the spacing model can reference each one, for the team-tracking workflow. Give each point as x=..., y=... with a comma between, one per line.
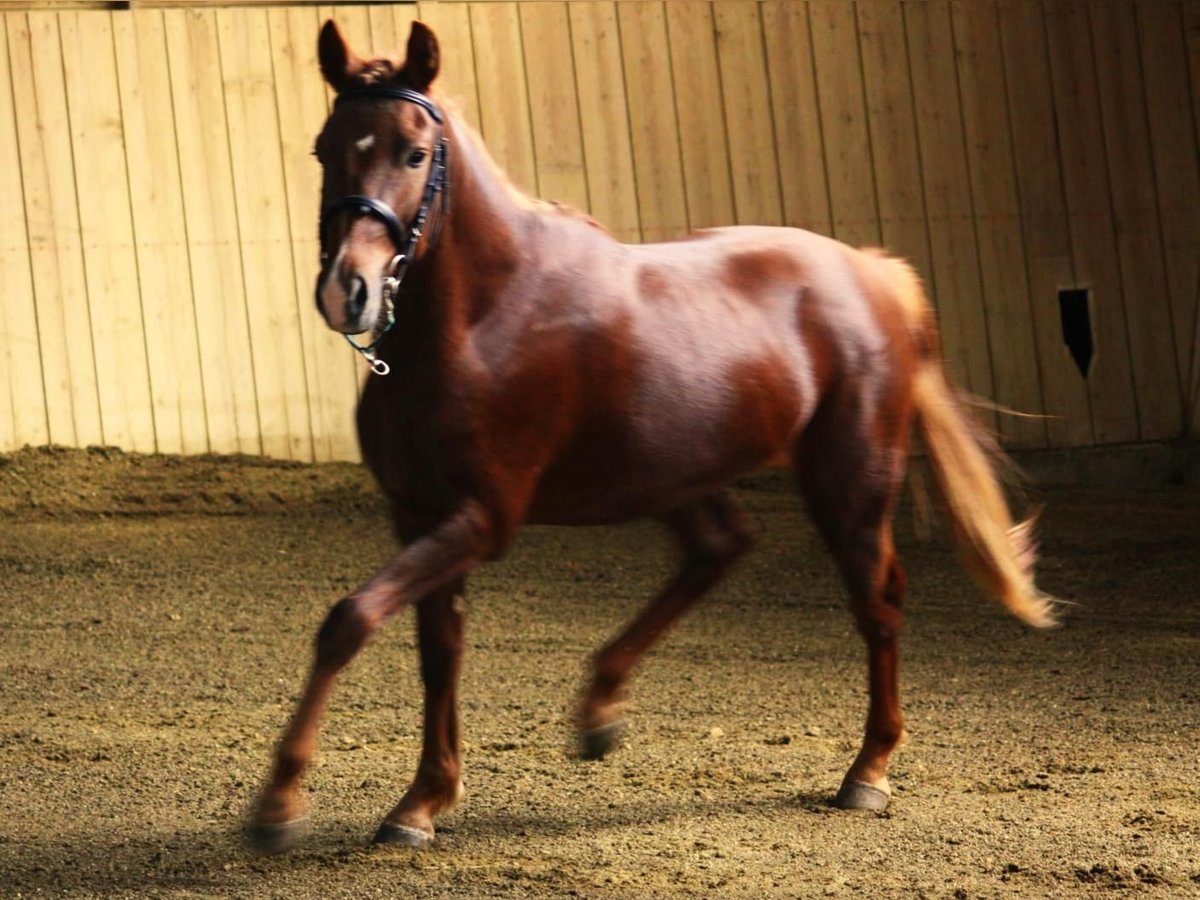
x=530, y=368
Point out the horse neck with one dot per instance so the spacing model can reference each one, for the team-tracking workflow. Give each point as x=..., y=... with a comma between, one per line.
x=484, y=226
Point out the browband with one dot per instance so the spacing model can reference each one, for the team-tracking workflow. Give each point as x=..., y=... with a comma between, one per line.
x=386, y=92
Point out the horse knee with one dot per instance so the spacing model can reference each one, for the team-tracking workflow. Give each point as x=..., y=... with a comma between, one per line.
x=343, y=633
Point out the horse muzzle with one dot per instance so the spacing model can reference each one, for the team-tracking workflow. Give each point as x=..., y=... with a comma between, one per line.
x=350, y=302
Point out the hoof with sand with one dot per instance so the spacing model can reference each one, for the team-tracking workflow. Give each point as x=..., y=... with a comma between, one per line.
x=597, y=743
x=271, y=838
x=860, y=795
x=404, y=835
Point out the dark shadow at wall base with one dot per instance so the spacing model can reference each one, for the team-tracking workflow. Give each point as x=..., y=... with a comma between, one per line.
x=1141, y=465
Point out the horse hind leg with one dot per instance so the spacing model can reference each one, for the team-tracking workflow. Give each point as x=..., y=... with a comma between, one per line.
x=850, y=472
x=713, y=533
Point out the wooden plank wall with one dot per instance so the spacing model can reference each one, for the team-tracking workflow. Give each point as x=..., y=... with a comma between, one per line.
x=157, y=243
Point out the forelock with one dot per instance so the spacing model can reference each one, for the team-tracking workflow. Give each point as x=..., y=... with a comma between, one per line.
x=376, y=72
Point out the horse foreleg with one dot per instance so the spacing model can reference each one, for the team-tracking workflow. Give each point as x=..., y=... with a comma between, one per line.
x=713, y=534
x=441, y=557
x=437, y=786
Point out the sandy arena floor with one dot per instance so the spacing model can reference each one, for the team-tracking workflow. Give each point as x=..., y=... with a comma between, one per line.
x=156, y=616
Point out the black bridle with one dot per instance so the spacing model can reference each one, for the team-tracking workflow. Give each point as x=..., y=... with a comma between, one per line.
x=403, y=238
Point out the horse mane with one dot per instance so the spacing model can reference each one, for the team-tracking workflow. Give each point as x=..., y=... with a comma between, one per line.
x=526, y=201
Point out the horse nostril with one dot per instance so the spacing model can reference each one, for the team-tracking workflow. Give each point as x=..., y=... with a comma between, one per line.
x=356, y=299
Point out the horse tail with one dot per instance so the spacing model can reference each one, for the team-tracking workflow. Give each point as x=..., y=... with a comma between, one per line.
x=964, y=459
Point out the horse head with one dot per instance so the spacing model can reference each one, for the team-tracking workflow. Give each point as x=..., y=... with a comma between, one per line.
x=382, y=151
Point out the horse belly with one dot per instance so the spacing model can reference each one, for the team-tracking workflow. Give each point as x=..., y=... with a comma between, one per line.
x=683, y=434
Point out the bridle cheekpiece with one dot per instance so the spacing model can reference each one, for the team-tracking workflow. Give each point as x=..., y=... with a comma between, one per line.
x=405, y=244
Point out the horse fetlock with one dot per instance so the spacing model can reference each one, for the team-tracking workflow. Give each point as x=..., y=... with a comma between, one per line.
x=602, y=711
x=279, y=806
x=603, y=705
x=432, y=792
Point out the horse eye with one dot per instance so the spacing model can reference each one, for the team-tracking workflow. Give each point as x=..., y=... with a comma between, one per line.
x=416, y=158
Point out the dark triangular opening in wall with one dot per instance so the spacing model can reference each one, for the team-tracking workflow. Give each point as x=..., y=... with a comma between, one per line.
x=1074, y=306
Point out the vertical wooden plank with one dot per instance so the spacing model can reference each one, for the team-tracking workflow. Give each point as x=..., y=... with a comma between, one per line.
x=1139, y=246
x=554, y=107
x=653, y=128
x=600, y=84
x=451, y=22
x=384, y=41
x=954, y=258
x=388, y=24
x=703, y=144
x=52, y=220
x=503, y=95
x=1043, y=218
x=389, y=28
x=1191, y=35
x=160, y=235
x=331, y=367
x=1174, y=150
x=600, y=87
x=844, y=122
x=893, y=128
x=747, y=100
x=264, y=234
x=1089, y=215
x=997, y=222
x=22, y=397
x=202, y=142
x=799, y=142
x=106, y=229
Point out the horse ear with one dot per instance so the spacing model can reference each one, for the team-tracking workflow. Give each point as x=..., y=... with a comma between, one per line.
x=338, y=63
x=423, y=57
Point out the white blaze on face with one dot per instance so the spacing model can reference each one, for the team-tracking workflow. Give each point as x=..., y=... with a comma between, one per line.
x=366, y=143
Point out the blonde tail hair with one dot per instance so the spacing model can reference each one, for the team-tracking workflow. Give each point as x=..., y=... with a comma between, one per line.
x=998, y=552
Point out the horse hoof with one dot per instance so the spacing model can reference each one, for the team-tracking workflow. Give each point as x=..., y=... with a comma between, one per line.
x=597, y=743
x=860, y=795
x=272, y=838
x=404, y=835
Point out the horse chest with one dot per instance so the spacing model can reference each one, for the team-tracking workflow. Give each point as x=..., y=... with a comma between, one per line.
x=417, y=440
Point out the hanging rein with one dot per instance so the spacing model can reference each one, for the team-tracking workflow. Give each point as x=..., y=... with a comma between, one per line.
x=403, y=238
